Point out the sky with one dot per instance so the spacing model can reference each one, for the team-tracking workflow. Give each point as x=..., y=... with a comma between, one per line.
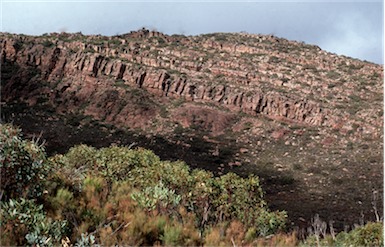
x=350, y=28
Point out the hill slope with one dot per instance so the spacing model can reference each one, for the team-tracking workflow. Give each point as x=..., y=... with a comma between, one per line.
x=308, y=122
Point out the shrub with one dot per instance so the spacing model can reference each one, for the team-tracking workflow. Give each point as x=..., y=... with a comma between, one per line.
x=63, y=202
x=24, y=222
x=80, y=156
x=269, y=222
x=86, y=240
x=113, y=163
x=172, y=236
x=242, y=199
x=370, y=234
x=159, y=197
x=23, y=165
x=48, y=44
x=238, y=197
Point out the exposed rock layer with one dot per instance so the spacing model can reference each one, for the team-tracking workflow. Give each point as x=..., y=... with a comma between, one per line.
x=94, y=74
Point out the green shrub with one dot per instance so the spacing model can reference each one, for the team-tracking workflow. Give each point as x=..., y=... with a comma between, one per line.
x=86, y=240
x=147, y=176
x=23, y=165
x=81, y=156
x=63, y=198
x=159, y=197
x=113, y=163
x=251, y=234
x=172, y=236
x=370, y=234
x=48, y=44
x=239, y=197
x=269, y=222
x=24, y=222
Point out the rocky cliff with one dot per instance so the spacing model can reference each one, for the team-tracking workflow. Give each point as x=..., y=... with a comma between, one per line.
x=254, y=74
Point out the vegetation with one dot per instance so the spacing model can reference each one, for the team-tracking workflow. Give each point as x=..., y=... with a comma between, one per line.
x=370, y=234
x=117, y=195
x=24, y=167
x=123, y=196
x=47, y=43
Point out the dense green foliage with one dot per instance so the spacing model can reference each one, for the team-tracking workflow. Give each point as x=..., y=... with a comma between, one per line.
x=122, y=196
x=23, y=165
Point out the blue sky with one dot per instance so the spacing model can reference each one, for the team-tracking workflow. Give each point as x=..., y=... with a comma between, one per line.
x=351, y=28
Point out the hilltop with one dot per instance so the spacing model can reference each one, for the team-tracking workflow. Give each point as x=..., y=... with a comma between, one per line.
x=307, y=122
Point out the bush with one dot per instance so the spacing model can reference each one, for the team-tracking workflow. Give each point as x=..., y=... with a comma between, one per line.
x=24, y=222
x=23, y=165
x=86, y=240
x=159, y=197
x=113, y=163
x=370, y=234
x=172, y=236
x=48, y=44
x=239, y=197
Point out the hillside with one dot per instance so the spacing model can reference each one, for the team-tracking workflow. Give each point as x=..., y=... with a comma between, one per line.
x=307, y=122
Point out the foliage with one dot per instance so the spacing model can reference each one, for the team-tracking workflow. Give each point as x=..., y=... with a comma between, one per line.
x=23, y=165
x=158, y=197
x=117, y=176
x=24, y=222
x=113, y=163
x=47, y=43
x=86, y=240
x=122, y=196
x=370, y=234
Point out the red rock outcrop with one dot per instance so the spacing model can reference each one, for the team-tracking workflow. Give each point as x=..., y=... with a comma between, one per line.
x=81, y=69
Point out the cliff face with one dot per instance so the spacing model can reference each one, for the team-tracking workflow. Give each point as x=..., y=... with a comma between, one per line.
x=258, y=75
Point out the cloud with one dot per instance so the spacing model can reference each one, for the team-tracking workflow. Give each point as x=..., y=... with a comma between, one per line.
x=356, y=32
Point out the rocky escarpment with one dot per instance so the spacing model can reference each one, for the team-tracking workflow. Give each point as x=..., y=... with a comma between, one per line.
x=255, y=74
